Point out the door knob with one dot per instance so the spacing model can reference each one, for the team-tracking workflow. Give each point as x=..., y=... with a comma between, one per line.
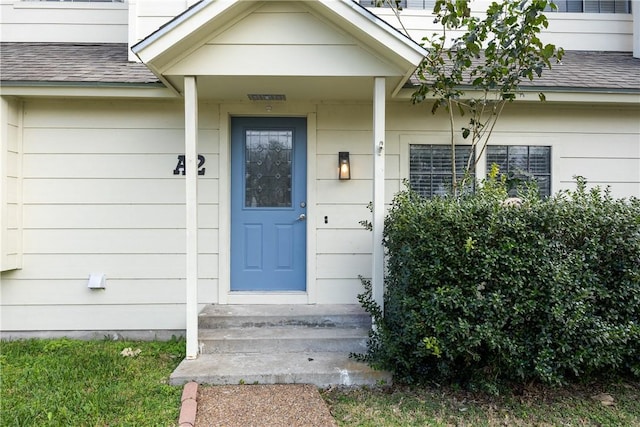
x=302, y=217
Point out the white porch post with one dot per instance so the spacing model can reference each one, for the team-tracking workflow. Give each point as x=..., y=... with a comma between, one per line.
x=379, y=128
x=191, y=179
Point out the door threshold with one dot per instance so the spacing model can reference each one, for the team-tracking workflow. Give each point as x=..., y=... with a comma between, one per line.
x=262, y=297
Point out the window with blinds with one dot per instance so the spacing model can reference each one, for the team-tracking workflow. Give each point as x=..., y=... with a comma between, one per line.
x=575, y=6
x=521, y=164
x=593, y=6
x=430, y=168
x=405, y=4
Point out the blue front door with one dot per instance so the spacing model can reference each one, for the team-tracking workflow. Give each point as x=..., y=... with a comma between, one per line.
x=268, y=204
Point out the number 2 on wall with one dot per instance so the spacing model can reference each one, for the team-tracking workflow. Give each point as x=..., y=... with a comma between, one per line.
x=181, y=166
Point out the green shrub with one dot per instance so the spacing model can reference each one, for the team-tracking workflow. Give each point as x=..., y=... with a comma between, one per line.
x=482, y=292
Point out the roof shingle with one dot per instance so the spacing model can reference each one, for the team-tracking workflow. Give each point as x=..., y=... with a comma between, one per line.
x=71, y=63
x=83, y=63
x=587, y=70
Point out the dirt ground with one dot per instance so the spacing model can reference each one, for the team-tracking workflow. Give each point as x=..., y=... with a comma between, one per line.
x=287, y=405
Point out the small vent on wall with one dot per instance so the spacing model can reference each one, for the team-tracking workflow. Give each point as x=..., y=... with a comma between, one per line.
x=266, y=97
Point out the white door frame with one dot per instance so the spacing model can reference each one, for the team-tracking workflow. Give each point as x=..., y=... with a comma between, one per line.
x=225, y=296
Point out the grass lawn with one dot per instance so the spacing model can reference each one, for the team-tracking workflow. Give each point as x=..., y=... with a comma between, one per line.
x=533, y=406
x=88, y=383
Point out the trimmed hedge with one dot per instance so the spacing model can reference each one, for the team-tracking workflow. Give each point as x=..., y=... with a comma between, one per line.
x=484, y=292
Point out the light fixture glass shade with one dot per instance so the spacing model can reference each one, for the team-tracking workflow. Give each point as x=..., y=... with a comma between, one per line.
x=344, y=168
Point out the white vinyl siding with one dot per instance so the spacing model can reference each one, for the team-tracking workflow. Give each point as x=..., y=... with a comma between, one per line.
x=598, y=143
x=571, y=31
x=63, y=21
x=10, y=184
x=100, y=196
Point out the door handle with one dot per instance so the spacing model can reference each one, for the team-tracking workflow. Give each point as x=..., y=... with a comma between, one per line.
x=302, y=217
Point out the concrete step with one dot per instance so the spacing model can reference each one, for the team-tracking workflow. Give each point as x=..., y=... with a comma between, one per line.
x=320, y=369
x=319, y=315
x=283, y=340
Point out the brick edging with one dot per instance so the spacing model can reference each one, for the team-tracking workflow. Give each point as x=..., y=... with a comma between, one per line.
x=189, y=405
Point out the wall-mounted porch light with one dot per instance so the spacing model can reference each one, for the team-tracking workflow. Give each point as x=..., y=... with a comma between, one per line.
x=344, y=168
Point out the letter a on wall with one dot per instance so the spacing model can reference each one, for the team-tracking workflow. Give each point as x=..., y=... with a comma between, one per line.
x=181, y=167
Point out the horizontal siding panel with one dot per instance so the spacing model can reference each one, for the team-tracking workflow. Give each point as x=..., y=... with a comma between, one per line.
x=164, y=8
x=345, y=117
x=93, y=317
x=115, y=266
x=333, y=141
x=109, y=166
x=361, y=166
x=352, y=192
x=74, y=292
x=98, y=241
x=342, y=216
x=611, y=146
x=65, y=33
x=275, y=60
x=114, y=114
x=601, y=170
x=115, y=216
x=275, y=27
x=347, y=242
x=115, y=191
x=105, y=13
x=114, y=141
x=338, y=291
x=588, y=23
x=342, y=266
x=525, y=119
x=572, y=31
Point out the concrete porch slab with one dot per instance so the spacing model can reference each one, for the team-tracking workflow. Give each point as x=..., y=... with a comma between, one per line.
x=319, y=369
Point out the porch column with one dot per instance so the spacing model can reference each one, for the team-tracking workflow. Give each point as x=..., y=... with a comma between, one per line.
x=191, y=179
x=379, y=128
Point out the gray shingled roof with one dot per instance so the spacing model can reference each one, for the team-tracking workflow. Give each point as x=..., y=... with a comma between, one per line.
x=90, y=64
x=79, y=63
x=591, y=71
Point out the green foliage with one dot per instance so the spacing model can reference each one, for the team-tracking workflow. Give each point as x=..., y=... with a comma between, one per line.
x=481, y=291
x=66, y=382
x=476, y=72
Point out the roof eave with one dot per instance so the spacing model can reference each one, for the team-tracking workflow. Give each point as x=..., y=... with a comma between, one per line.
x=84, y=89
x=561, y=94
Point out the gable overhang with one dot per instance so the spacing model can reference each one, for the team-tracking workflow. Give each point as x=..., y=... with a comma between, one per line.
x=312, y=50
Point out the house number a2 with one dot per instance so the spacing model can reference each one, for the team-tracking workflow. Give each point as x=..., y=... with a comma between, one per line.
x=181, y=167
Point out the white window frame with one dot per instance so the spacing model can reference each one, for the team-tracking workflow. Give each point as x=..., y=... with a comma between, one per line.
x=427, y=139
x=551, y=162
